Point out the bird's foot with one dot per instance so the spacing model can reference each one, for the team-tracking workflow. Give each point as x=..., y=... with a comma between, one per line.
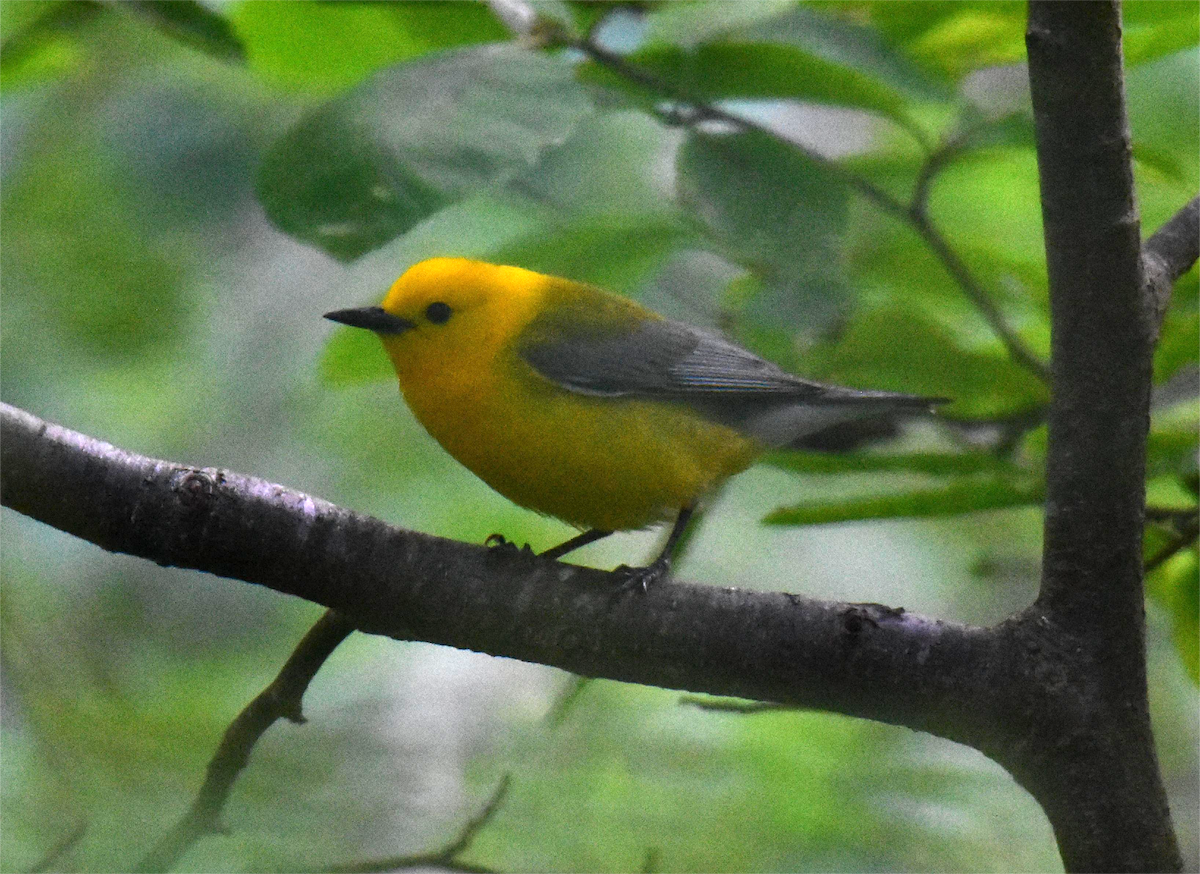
x=500, y=548
x=633, y=578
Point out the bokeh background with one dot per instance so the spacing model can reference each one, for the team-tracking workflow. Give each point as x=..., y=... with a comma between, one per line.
x=149, y=158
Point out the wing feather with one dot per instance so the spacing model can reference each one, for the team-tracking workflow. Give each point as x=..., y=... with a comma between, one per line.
x=658, y=359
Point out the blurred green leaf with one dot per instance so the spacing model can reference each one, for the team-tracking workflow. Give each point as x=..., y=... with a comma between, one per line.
x=1171, y=444
x=112, y=286
x=909, y=22
x=39, y=39
x=1162, y=161
x=616, y=252
x=370, y=165
x=689, y=24
x=937, y=464
x=1151, y=14
x=777, y=212
x=901, y=350
x=612, y=162
x=1151, y=30
x=191, y=23
x=1176, y=586
x=1177, y=345
x=328, y=47
x=747, y=70
x=974, y=38
x=953, y=498
x=840, y=42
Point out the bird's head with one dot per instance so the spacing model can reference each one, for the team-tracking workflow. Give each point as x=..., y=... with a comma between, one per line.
x=447, y=310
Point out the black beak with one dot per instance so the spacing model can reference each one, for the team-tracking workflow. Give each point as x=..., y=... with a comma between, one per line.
x=372, y=318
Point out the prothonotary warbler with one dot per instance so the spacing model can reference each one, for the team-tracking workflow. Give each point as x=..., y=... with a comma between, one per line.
x=585, y=406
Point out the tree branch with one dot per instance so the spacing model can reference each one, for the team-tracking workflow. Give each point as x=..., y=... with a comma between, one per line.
x=281, y=699
x=1168, y=254
x=1100, y=784
x=865, y=660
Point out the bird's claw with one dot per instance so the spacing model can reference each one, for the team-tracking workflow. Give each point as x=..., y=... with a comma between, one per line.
x=632, y=578
x=502, y=549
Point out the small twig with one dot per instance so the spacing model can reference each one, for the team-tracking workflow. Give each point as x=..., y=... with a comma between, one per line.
x=730, y=705
x=50, y=861
x=928, y=231
x=567, y=698
x=280, y=699
x=937, y=161
x=478, y=821
x=447, y=857
x=1172, y=514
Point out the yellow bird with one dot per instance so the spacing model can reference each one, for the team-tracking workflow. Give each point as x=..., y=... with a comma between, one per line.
x=585, y=406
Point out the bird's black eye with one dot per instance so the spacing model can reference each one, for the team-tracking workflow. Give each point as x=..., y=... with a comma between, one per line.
x=438, y=312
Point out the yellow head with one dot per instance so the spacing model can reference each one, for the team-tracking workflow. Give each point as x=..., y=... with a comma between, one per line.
x=445, y=315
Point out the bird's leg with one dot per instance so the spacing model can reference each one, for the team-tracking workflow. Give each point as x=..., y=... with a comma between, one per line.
x=504, y=547
x=575, y=543
x=647, y=576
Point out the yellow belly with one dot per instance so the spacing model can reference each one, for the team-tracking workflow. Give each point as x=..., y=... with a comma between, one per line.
x=596, y=462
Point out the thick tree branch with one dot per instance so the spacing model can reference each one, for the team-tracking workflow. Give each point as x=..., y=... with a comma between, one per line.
x=1100, y=785
x=281, y=699
x=865, y=660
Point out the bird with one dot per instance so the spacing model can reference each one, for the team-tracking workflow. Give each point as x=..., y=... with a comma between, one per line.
x=583, y=405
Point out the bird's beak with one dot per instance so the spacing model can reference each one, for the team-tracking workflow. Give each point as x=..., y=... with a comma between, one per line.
x=372, y=318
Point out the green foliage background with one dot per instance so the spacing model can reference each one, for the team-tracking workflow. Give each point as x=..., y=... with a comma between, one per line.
x=187, y=188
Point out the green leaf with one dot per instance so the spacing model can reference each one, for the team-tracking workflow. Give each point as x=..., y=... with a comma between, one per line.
x=1153, y=14
x=328, y=47
x=611, y=163
x=901, y=350
x=931, y=463
x=1171, y=443
x=953, y=498
x=616, y=252
x=810, y=29
x=1176, y=586
x=689, y=24
x=1162, y=161
x=1145, y=43
x=107, y=284
x=39, y=40
x=191, y=23
x=370, y=165
x=901, y=23
x=776, y=211
x=1177, y=344
x=747, y=70
x=974, y=38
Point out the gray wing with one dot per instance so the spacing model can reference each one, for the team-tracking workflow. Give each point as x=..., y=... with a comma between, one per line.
x=725, y=383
